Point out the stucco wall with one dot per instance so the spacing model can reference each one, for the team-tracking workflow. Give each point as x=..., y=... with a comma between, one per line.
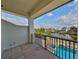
x=12, y=35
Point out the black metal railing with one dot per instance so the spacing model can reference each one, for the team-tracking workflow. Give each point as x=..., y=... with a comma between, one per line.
x=62, y=48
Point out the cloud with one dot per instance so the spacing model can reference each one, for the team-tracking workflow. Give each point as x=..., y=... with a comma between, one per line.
x=75, y=2
x=49, y=14
x=42, y=25
x=18, y=20
x=68, y=20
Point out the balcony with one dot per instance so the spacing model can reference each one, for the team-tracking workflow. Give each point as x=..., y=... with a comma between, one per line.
x=62, y=48
x=44, y=48
x=27, y=51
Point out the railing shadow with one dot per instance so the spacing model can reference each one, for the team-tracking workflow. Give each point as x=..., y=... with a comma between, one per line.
x=62, y=48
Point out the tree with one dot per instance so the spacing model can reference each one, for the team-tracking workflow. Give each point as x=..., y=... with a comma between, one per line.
x=64, y=28
x=73, y=32
x=74, y=29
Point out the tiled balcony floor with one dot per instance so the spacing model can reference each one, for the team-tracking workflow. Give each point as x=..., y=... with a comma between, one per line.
x=27, y=51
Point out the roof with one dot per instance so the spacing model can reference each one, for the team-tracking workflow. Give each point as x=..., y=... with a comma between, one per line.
x=14, y=19
x=32, y=8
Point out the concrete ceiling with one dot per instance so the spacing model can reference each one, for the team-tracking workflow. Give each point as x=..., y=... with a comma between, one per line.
x=31, y=8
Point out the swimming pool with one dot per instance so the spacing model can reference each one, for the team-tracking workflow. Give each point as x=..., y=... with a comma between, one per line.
x=51, y=46
x=65, y=52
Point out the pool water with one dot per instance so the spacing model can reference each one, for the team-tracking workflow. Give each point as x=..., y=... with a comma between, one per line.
x=67, y=52
x=51, y=46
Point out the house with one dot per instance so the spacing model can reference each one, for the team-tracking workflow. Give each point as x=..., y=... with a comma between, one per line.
x=14, y=32
x=18, y=42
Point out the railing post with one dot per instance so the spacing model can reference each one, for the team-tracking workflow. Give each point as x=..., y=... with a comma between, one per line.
x=65, y=48
x=69, y=49
x=73, y=50
x=44, y=42
x=62, y=51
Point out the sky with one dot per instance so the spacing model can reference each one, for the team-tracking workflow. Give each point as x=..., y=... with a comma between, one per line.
x=65, y=16
x=15, y=19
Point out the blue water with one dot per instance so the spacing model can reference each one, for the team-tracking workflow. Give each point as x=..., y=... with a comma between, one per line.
x=64, y=36
x=67, y=52
x=52, y=46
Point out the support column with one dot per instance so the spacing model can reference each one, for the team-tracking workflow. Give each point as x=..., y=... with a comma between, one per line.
x=30, y=31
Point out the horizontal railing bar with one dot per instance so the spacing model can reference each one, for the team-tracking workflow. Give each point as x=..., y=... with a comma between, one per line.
x=60, y=53
x=58, y=38
x=64, y=33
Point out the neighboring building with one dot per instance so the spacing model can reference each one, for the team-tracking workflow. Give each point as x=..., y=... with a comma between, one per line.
x=12, y=33
x=65, y=29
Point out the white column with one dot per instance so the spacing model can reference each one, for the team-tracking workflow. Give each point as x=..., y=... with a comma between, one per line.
x=30, y=31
